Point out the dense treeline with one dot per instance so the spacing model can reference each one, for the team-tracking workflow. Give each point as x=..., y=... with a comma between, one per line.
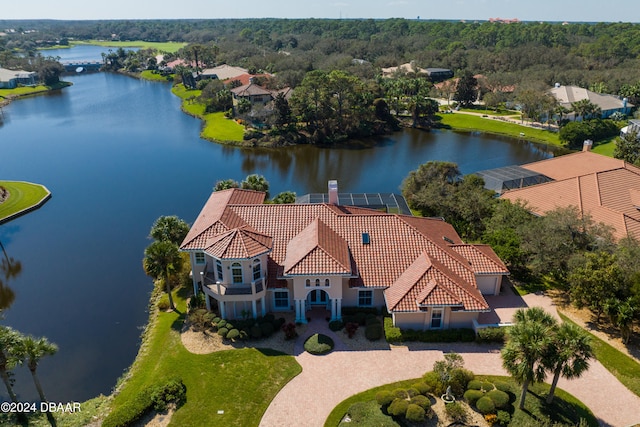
x=582, y=54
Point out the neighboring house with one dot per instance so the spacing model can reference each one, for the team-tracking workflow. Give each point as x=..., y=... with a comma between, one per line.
x=605, y=188
x=251, y=257
x=609, y=104
x=438, y=74
x=246, y=78
x=10, y=79
x=256, y=94
x=409, y=67
x=633, y=126
x=222, y=72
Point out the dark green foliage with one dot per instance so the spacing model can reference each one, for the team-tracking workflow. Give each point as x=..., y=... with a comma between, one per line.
x=474, y=385
x=233, y=334
x=269, y=318
x=384, y=398
x=422, y=401
x=126, y=415
x=491, y=335
x=411, y=392
x=400, y=393
x=422, y=387
x=504, y=418
x=396, y=335
x=432, y=380
x=472, y=396
x=466, y=91
x=573, y=134
x=223, y=332
x=628, y=148
x=351, y=329
x=267, y=329
x=372, y=319
x=347, y=311
x=318, y=344
x=456, y=411
x=361, y=318
x=221, y=323
x=256, y=332
x=373, y=332
x=173, y=391
x=486, y=386
x=415, y=413
x=459, y=378
x=398, y=408
x=336, y=325
x=500, y=398
x=289, y=330
x=502, y=386
x=485, y=405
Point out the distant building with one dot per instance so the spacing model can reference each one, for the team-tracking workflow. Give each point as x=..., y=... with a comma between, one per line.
x=609, y=104
x=439, y=74
x=10, y=79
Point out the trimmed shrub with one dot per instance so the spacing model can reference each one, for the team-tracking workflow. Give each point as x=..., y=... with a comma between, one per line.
x=487, y=386
x=456, y=411
x=411, y=392
x=373, y=331
x=400, y=393
x=490, y=335
x=415, y=413
x=502, y=386
x=244, y=335
x=421, y=401
x=504, y=418
x=384, y=398
x=221, y=323
x=256, y=332
x=267, y=329
x=349, y=319
x=336, y=325
x=472, y=396
x=474, y=385
x=422, y=387
x=130, y=412
x=269, y=318
x=318, y=344
x=233, y=334
x=391, y=333
x=346, y=311
x=229, y=326
x=163, y=303
x=216, y=320
x=398, y=408
x=485, y=405
x=361, y=318
x=173, y=391
x=277, y=324
x=223, y=332
x=500, y=398
x=432, y=380
x=458, y=380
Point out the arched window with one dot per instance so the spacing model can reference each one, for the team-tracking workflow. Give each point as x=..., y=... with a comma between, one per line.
x=236, y=272
x=219, y=269
x=327, y=283
x=317, y=282
x=307, y=283
x=257, y=273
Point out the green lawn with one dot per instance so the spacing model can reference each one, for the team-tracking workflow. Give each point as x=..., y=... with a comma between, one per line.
x=155, y=77
x=606, y=147
x=492, y=112
x=163, y=47
x=22, y=196
x=468, y=122
x=623, y=367
x=241, y=383
x=565, y=409
x=30, y=90
x=217, y=127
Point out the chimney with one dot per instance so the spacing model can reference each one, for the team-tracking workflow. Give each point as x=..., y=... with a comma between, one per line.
x=586, y=146
x=333, y=192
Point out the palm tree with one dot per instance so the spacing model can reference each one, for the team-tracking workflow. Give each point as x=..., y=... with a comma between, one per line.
x=32, y=350
x=169, y=228
x=9, y=345
x=585, y=108
x=527, y=344
x=569, y=355
x=257, y=183
x=160, y=260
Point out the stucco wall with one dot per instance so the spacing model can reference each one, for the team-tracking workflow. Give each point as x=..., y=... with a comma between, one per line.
x=489, y=284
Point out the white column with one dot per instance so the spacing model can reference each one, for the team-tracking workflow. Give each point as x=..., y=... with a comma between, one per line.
x=254, y=309
x=264, y=306
x=300, y=311
x=206, y=301
x=333, y=309
x=221, y=306
x=338, y=308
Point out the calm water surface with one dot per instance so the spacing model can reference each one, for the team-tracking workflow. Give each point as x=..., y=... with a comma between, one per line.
x=117, y=153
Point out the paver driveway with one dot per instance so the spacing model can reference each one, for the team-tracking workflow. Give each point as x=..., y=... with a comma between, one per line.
x=327, y=380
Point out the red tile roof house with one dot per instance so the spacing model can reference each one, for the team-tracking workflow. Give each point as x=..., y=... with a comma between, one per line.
x=247, y=256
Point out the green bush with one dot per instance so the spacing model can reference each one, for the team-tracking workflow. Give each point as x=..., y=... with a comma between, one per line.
x=361, y=318
x=458, y=380
x=277, y=324
x=371, y=319
x=415, y=413
x=318, y=344
x=422, y=387
x=491, y=335
x=216, y=320
x=411, y=392
x=474, y=385
x=163, y=303
x=256, y=332
x=244, y=335
x=395, y=335
x=373, y=332
x=485, y=405
x=346, y=311
x=269, y=318
x=421, y=401
x=456, y=411
x=233, y=334
x=504, y=418
x=432, y=380
x=173, y=391
x=229, y=326
x=472, y=396
x=223, y=332
x=221, y=323
x=391, y=333
x=400, y=393
x=266, y=329
x=487, y=386
x=398, y=408
x=336, y=325
x=130, y=412
x=500, y=398
x=384, y=398
x=502, y=386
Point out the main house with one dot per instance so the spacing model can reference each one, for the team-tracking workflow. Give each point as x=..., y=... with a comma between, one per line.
x=250, y=258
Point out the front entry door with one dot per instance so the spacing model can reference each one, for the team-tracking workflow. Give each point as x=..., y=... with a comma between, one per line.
x=317, y=297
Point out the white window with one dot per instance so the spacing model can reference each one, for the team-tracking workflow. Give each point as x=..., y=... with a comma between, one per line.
x=219, y=269
x=327, y=283
x=365, y=298
x=236, y=272
x=281, y=300
x=200, y=258
x=436, y=318
x=257, y=273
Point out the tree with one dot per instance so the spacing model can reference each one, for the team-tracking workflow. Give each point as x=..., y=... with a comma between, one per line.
x=286, y=197
x=585, y=108
x=161, y=259
x=466, y=90
x=621, y=314
x=628, y=148
x=256, y=182
x=169, y=229
x=32, y=350
x=226, y=184
x=535, y=103
x=505, y=230
x=528, y=341
x=283, y=117
x=9, y=346
x=568, y=355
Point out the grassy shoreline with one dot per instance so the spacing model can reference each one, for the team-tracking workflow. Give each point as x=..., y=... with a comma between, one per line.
x=24, y=197
x=8, y=95
x=170, y=47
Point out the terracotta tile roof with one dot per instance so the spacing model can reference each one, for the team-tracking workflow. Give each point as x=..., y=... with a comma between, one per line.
x=482, y=258
x=238, y=243
x=322, y=238
x=225, y=71
x=606, y=189
x=317, y=250
x=250, y=89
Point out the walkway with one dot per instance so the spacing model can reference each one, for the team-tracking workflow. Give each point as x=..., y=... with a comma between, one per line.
x=327, y=380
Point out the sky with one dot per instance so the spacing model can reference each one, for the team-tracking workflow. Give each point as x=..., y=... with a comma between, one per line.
x=525, y=10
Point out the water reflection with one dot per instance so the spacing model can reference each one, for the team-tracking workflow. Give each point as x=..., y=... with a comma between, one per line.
x=9, y=269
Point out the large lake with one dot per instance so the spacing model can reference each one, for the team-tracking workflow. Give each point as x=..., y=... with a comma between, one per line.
x=116, y=153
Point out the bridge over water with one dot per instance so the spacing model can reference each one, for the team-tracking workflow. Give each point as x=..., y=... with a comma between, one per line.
x=86, y=65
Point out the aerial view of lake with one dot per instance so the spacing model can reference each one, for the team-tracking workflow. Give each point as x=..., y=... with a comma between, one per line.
x=117, y=153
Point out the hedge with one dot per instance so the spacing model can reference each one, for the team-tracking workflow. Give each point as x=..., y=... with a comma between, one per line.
x=394, y=334
x=422, y=401
x=398, y=407
x=492, y=335
x=485, y=405
x=500, y=398
x=415, y=413
x=472, y=396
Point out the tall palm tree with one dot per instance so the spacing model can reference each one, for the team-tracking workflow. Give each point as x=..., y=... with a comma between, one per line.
x=169, y=228
x=568, y=356
x=9, y=348
x=527, y=344
x=256, y=182
x=160, y=260
x=32, y=350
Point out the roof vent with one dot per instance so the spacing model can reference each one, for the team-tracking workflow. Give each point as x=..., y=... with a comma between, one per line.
x=333, y=192
x=366, y=239
x=448, y=240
